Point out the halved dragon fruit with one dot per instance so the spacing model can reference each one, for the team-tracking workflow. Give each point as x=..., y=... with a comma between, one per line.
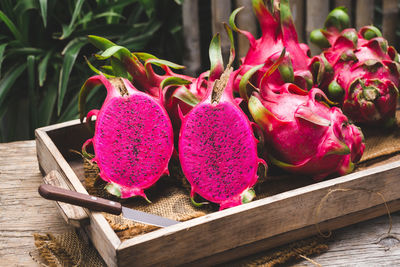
x=217, y=147
x=357, y=69
x=278, y=32
x=133, y=139
x=303, y=135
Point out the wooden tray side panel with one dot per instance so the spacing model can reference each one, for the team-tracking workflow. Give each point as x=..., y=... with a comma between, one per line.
x=99, y=231
x=262, y=219
x=284, y=238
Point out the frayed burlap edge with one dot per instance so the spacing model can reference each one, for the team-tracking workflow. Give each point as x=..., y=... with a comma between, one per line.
x=66, y=249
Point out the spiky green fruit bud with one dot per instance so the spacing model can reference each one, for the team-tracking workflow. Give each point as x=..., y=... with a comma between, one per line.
x=318, y=38
x=370, y=32
x=338, y=18
x=286, y=72
x=336, y=92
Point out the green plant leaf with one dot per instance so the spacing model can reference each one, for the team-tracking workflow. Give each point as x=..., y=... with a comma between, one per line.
x=97, y=71
x=32, y=94
x=43, y=11
x=67, y=30
x=117, y=51
x=47, y=105
x=70, y=53
x=42, y=68
x=119, y=68
x=24, y=51
x=100, y=42
x=174, y=81
x=9, y=79
x=2, y=49
x=162, y=62
x=149, y=6
x=11, y=26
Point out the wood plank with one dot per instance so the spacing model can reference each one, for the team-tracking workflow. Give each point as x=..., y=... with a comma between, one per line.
x=22, y=211
x=245, y=20
x=390, y=11
x=298, y=10
x=325, y=227
x=100, y=232
x=363, y=244
x=364, y=13
x=316, y=13
x=220, y=12
x=265, y=218
x=191, y=37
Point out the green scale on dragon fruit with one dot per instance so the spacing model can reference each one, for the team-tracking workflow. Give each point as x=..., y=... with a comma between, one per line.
x=133, y=138
x=278, y=32
x=302, y=134
x=357, y=69
x=217, y=146
x=177, y=89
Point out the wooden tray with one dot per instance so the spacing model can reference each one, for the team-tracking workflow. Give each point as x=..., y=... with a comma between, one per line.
x=232, y=233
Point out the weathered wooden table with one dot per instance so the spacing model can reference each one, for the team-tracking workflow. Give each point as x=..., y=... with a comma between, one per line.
x=23, y=212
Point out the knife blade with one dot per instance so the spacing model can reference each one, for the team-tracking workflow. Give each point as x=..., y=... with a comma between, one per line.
x=100, y=204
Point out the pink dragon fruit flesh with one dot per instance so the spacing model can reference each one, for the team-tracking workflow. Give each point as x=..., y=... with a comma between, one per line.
x=133, y=139
x=357, y=69
x=278, y=32
x=303, y=135
x=217, y=147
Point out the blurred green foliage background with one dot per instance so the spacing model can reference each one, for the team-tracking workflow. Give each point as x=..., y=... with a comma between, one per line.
x=43, y=44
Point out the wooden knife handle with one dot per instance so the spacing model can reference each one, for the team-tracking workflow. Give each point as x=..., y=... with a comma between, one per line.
x=87, y=201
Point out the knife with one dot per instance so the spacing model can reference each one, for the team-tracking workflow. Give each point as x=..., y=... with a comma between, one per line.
x=100, y=204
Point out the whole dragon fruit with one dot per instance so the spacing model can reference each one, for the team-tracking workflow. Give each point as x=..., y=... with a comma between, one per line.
x=357, y=69
x=217, y=147
x=278, y=32
x=133, y=139
x=303, y=135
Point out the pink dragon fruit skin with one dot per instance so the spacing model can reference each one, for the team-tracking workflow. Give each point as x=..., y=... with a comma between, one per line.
x=278, y=32
x=217, y=147
x=133, y=139
x=303, y=135
x=358, y=70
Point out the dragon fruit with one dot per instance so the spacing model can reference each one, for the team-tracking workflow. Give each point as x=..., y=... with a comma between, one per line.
x=357, y=69
x=303, y=135
x=217, y=147
x=133, y=139
x=177, y=89
x=278, y=32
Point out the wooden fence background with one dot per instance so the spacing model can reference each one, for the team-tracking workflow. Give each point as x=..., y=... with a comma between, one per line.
x=308, y=15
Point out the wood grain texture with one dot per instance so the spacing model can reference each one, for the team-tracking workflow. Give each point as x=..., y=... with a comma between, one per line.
x=50, y=158
x=22, y=211
x=364, y=13
x=270, y=222
x=220, y=12
x=316, y=12
x=390, y=11
x=245, y=20
x=298, y=10
x=362, y=244
x=294, y=210
x=191, y=37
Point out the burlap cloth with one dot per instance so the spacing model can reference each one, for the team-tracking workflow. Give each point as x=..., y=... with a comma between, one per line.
x=170, y=198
